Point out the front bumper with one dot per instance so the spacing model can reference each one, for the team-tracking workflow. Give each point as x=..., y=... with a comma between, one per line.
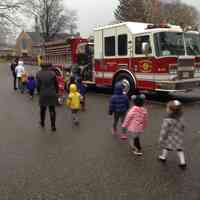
x=178, y=86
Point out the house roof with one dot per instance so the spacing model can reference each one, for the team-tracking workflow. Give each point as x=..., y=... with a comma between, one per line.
x=35, y=36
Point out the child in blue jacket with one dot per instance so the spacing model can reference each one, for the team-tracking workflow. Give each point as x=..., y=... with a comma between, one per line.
x=31, y=85
x=119, y=105
x=82, y=90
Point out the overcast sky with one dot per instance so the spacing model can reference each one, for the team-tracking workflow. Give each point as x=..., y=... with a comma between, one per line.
x=92, y=13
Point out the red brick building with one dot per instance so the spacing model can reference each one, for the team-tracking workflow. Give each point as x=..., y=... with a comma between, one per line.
x=29, y=44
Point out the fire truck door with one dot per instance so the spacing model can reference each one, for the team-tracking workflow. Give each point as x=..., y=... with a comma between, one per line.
x=144, y=61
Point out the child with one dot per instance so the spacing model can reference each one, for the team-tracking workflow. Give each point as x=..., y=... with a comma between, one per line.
x=19, y=70
x=67, y=78
x=24, y=81
x=172, y=132
x=135, y=122
x=73, y=102
x=72, y=80
x=118, y=107
x=82, y=91
x=31, y=85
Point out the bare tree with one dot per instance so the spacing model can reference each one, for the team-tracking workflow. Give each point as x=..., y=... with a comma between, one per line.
x=9, y=20
x=155, y=11
x=130, y=10
x=52, y=16
x=179, y=13
x=8, y=11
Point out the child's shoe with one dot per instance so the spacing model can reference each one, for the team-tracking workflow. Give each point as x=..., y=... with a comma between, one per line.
x=138, y=153
x=131, y=149
x=123, y=137
x=76, y=122
x=53, y=128
x=183, y=166
x=162, y=158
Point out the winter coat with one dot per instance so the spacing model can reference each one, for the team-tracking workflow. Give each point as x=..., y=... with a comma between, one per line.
x=74, y=98
x=171, y=134
x=19, y=70
x=136, y=120
x=31, y=85
x=47, y=87
x=119, y=102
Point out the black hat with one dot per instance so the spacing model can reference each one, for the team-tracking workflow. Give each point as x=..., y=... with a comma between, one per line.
x=138, y=99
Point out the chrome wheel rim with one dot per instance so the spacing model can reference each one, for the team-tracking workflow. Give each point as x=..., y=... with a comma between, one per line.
x=126, y=85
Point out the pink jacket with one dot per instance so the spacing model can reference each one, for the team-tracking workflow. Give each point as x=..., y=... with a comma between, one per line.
x=136, y=120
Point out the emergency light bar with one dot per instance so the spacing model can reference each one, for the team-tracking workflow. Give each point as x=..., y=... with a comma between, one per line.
x=152, y=26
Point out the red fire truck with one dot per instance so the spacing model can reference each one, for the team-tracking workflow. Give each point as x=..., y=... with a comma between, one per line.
x=143, y=56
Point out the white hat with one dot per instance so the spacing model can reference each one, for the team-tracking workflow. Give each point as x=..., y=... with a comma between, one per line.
x=20, y=62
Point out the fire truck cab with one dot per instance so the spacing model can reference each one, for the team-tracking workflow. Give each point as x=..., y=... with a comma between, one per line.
x=146, y=57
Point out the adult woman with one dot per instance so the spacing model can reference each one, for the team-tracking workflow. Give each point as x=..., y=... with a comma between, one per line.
x=48, y=88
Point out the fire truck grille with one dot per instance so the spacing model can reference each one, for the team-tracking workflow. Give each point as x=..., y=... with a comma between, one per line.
x=187, y=85
x=185, y=68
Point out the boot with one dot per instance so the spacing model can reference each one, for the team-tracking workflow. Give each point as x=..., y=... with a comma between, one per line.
x=181, y=156
x=163, y=156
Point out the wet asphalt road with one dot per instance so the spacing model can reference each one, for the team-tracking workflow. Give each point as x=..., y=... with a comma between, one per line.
x=86, y=162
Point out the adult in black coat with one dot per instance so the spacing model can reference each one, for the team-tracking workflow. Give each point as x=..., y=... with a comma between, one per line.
x=12, y=67
x=48, y=89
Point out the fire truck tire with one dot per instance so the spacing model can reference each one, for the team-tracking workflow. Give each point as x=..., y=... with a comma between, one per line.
x=128, y=82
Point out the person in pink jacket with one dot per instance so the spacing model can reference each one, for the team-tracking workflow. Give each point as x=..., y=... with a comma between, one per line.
x=135, y=123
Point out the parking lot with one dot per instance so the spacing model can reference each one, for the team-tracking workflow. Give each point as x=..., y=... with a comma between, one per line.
x=87, y=162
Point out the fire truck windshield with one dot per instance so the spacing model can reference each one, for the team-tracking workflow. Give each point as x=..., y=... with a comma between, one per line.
x=172, y=44
x=169, y=44
x=192, y=43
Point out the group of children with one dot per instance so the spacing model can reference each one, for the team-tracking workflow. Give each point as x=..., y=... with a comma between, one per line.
x=134, y=122
x=25, y=81
x=74, y=87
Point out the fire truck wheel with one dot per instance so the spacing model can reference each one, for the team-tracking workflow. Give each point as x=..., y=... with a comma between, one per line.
x=127, y=81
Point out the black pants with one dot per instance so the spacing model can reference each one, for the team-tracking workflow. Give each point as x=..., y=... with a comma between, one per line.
x=52, y=113
x=14, y=82
x=19, y=83
x=137, y=143
x=118, y=116
x=31, y=92
x=75, y=118
x=23, y=87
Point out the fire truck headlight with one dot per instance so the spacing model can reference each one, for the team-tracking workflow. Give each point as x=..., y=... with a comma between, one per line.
x=197, y=70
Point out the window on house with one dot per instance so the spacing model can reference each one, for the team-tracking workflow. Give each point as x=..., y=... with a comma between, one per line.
x=109, y=46
x=138, y=43
x=122, y=45
x=24, y=44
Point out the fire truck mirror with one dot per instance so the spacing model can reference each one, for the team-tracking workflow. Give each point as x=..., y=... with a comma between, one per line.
x=145, y=48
